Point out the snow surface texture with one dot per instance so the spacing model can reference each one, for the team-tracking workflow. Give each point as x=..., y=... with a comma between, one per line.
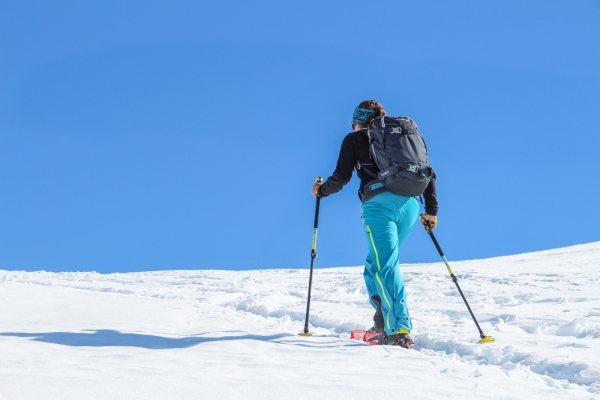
x=233, y=335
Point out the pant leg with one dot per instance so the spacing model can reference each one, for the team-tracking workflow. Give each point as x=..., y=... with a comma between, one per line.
x=370, y=279
x=408, y=216
x=388, y=219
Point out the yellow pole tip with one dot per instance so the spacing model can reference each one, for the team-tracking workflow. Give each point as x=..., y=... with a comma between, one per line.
x=304, y=334
x=487, y=339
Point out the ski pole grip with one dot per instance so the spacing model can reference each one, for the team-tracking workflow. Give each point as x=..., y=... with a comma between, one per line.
x=425, y=222
x=319, y=179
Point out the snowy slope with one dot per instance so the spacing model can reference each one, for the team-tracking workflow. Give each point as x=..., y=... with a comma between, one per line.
x=233, y=335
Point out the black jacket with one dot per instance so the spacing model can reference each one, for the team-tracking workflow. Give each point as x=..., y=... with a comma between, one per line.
x=355, y=154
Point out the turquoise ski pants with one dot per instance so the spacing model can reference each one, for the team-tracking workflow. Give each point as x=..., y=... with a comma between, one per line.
x=388, y=219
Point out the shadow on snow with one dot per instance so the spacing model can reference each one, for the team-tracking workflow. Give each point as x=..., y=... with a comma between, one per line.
x=107, y=337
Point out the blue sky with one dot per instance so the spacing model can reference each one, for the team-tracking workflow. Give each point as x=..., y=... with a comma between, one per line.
x=147, y=135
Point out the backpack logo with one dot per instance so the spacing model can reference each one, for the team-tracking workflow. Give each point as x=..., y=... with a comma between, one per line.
x=413, y=168
x=396, y=130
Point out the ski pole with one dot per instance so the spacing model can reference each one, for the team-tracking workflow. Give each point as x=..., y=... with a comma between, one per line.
x=484, y=339
x=313, y=255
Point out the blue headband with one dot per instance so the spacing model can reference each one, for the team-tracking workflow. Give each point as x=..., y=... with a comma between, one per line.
x=361, y=115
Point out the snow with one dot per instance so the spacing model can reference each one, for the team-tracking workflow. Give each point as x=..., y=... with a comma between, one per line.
x=233, y=334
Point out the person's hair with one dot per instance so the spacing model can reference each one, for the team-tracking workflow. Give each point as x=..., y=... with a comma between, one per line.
x=372, y=105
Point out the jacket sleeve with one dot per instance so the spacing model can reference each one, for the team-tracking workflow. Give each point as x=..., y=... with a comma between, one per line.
x=347, y=160
x=430, y=195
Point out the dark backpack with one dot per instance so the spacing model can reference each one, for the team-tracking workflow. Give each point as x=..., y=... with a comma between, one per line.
x=400, y=152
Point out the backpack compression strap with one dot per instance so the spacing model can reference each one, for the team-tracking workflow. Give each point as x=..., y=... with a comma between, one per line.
x=370, y=173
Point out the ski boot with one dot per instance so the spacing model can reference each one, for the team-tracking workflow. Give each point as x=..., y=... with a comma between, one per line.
x=398, y=339
x=401, y=339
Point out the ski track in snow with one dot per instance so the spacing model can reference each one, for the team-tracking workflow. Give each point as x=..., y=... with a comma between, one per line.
x=543, y=309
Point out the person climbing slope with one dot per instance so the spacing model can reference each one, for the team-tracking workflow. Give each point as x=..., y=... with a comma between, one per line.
x=388, y=217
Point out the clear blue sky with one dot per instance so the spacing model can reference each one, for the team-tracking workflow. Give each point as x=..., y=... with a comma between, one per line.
x=144, y=135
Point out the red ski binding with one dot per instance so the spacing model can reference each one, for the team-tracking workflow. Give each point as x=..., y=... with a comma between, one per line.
x=364, y=336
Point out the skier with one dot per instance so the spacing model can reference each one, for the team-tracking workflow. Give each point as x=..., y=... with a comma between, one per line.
x=388, y=219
